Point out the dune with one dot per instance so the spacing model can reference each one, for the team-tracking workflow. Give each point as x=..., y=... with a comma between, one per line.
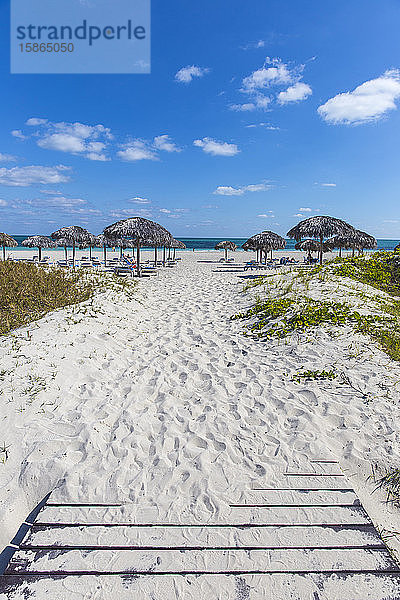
x=159, y=403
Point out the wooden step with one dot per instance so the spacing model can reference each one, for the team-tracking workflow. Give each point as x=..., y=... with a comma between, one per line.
x=349, y=586
x=204, y=536
x=200, y=561
x=134, y=514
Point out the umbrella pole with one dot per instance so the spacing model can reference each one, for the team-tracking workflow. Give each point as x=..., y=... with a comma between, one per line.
x=90, y=252
x=66, y=252
x=105, y=255
x=321, y=239
x=138, y=260
x=340, y=252
x=164, y=256
x=40, y=253
x=73, y=255
x=353, y=251
x=174, y=253
x=226, y=253
x=4, y=253
x=155, y=256
x=120, y=252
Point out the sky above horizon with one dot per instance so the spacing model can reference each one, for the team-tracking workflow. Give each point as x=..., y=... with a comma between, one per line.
x=255, y=116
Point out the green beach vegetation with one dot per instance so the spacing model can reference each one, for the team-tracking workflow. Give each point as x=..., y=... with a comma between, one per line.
x=294, y=311
x=28, y=292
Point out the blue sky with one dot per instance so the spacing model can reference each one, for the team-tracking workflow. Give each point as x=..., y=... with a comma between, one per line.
x=255, y=115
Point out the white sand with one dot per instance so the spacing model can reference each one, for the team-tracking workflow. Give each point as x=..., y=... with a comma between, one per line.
x=161, y=404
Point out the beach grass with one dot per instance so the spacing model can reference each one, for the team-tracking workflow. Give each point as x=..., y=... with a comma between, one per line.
x=295, y=312
x=27, y=292
x=390, y=483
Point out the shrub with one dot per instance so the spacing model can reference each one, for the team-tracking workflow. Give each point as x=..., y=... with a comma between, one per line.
x=27, y=292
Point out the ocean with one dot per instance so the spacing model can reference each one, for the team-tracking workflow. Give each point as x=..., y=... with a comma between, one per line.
x=209, y=243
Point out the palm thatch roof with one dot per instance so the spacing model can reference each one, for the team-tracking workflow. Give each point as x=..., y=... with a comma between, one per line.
x=141, y=231
x=62, y=242
x=177, y=244
x=225, y=245
x=308, y=245
x=266, y=240
x=39, y=241
x=320, y=227
x=73, y=235
x=90, y=243
x=397, y=247
x=7, y=241
x=105, y=240
x=358, y=240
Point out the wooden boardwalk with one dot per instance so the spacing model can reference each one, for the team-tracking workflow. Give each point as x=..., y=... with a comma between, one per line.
x=309, y=539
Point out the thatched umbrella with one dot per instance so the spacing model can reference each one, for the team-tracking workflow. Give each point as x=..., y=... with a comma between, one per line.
x=7, y=242
x=90, y=244
x=265, y=241
x=356, y=240
x=226, y=245
x=64, y=244
x=397, y=247
x=104, y=241
x=74, y=236
x=308, y=246
x=177, y=245
x=142, y=231
x=39, y=242
x=319, y=228
x=248, y=245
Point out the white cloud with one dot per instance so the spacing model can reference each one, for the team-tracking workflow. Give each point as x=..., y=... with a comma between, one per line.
x=186, y=74
x=273, y=74
x=328, y=184
x=137, y=150
x=278, y=73
x=246, y=107
x=6, y=157
x=264, y=216
x=306, y=209
x=58, y=201
x=17, y=133
x=62, y=142
x=295, y=93
x=25, y=176
x=139, y=200
x=96, y=156
x=164, y=142
x=257, y=187
x=265, y=125
x=51, y=192
x=165, y=210
x=368, y=102
x=3, y=202
x=216, y=148
x=298, y=215
x=227, y=190
x=260, y=103
x=125, y=213
x=147, y=150
x=74, y=138
x=34, y=122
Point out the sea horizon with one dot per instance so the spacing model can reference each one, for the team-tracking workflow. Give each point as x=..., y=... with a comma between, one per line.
x=208, y=243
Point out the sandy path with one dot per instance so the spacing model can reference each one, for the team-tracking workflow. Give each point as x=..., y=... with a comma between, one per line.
x=162, y=402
